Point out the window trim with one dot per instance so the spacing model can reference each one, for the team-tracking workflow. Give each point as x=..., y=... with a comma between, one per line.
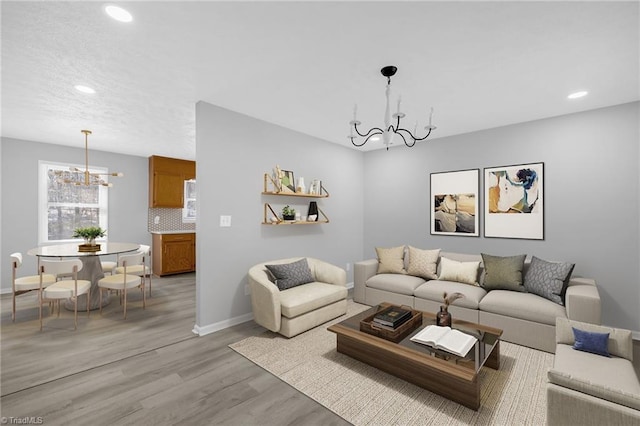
x=43, y=200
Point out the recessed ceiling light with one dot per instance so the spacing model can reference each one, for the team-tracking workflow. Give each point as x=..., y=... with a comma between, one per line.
x=118, y=13
x=577, y=95
x=84, y=89
x=375, y=138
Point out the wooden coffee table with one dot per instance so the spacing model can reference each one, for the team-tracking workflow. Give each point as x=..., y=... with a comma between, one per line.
x=441, y=372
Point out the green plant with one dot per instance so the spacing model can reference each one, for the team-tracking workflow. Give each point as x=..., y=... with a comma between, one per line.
x=89, y=232
x=288, y=211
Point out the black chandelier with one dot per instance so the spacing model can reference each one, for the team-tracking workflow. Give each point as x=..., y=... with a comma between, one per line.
x=389, y=130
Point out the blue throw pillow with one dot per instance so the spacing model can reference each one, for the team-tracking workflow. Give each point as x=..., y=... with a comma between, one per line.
x=596, y=343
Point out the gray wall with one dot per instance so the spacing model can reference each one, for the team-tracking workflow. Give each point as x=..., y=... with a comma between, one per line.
x=128, y=198
x=233, y=153
x=591, y=197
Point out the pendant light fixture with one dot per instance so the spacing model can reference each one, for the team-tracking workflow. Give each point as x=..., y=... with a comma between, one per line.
x=389, y=131
x=85, y=177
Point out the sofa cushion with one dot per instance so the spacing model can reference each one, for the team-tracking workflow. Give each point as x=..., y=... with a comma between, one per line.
x=423, y=263
x=612, y=394
x=462, y=272
x=588, y=341
x=391, y=260
x=548, y=279
x=614, y=372
x=503, y=272
x=308, y=297
x=524, y=306
x=620, y=341
x=395, y=283
x=434, y=290
x=289, y=275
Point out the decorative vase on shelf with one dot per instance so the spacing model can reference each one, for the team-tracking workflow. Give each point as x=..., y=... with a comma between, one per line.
x=301, y=188
x=313, y=211
x=443, y=318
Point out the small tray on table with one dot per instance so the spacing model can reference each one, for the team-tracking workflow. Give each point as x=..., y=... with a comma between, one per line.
x=394, y=334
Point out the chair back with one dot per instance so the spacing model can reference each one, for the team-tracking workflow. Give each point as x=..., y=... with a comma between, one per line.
x=131, y=259
x=144, y=249
x=60, y=267
x=16, y=260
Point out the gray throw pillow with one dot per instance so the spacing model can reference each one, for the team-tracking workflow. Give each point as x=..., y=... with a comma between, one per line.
x=503, y=273
x=548, y=279
x=290, y=275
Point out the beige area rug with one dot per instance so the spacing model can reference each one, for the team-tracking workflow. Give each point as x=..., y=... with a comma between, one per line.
x=363, y=395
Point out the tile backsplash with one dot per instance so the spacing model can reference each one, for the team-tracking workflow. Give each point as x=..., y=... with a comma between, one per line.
x=170, y=220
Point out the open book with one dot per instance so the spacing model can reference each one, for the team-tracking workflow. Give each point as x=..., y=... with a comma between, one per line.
x=446, y=338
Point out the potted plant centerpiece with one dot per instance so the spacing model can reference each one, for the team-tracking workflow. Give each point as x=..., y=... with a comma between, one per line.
x=288, y=213
x=89, y=233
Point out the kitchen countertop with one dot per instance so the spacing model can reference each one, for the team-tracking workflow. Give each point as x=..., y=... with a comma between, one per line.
x=186, y=231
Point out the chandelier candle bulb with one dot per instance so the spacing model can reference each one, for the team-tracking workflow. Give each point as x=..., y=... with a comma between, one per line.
x=430, y=116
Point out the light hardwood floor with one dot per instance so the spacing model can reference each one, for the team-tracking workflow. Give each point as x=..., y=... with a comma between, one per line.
x=150, y=369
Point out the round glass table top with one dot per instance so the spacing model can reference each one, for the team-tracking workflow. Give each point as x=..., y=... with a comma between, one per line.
x=72, y=250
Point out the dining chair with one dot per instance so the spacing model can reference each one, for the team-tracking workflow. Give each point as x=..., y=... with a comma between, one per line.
x=108, y=266
x=124, y=280
x=21, y=285
x=141, y=269
x=66, y=288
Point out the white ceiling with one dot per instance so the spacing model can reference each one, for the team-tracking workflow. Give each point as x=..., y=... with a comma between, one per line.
x=303, y=65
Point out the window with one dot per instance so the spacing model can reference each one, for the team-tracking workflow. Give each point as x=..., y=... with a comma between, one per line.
x=64, y=207
x=189, y=209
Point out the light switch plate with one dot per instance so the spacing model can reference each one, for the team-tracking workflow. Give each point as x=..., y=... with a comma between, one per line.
x=225, y=221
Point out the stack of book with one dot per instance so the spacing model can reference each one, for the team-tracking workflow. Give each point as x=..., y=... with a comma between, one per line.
x=392, y=317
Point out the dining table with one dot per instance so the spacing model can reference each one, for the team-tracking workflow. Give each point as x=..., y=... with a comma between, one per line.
x=91, y=266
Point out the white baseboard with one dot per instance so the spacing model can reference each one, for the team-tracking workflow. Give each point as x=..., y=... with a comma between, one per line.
x=212, y=328
x=350, y=285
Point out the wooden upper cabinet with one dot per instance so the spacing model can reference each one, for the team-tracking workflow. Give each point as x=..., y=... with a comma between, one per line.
x=166, y=180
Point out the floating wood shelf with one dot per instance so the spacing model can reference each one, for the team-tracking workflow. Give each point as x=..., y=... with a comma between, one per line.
x=268, y=179
x=268, y=208
x=271, y=187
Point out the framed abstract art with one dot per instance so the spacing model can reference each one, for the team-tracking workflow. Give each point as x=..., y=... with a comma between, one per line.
x=454, y=203
x=514, y=201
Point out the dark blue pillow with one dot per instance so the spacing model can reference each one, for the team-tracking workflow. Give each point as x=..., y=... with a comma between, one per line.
x=596, y=343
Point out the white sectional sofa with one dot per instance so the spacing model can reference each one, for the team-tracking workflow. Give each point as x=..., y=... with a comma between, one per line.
x=590, y=389
x=526, y=319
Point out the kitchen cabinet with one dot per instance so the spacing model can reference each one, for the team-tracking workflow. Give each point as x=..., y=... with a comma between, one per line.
x=166, y=180
x=174, y=253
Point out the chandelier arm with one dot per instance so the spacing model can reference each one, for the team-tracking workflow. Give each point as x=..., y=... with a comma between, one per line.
x=366, y=135
x=379, y=132
x=426, y=136
x=404, y=140
x=413, y=136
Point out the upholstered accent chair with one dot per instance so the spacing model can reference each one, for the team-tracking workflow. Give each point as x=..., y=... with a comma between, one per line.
x=294, y=310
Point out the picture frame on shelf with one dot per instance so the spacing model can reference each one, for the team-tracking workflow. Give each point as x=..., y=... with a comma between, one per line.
x=514, y=201
x=454, y=203
x=288, y=182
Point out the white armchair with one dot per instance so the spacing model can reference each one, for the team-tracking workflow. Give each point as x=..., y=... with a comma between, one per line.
x=298, y=309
